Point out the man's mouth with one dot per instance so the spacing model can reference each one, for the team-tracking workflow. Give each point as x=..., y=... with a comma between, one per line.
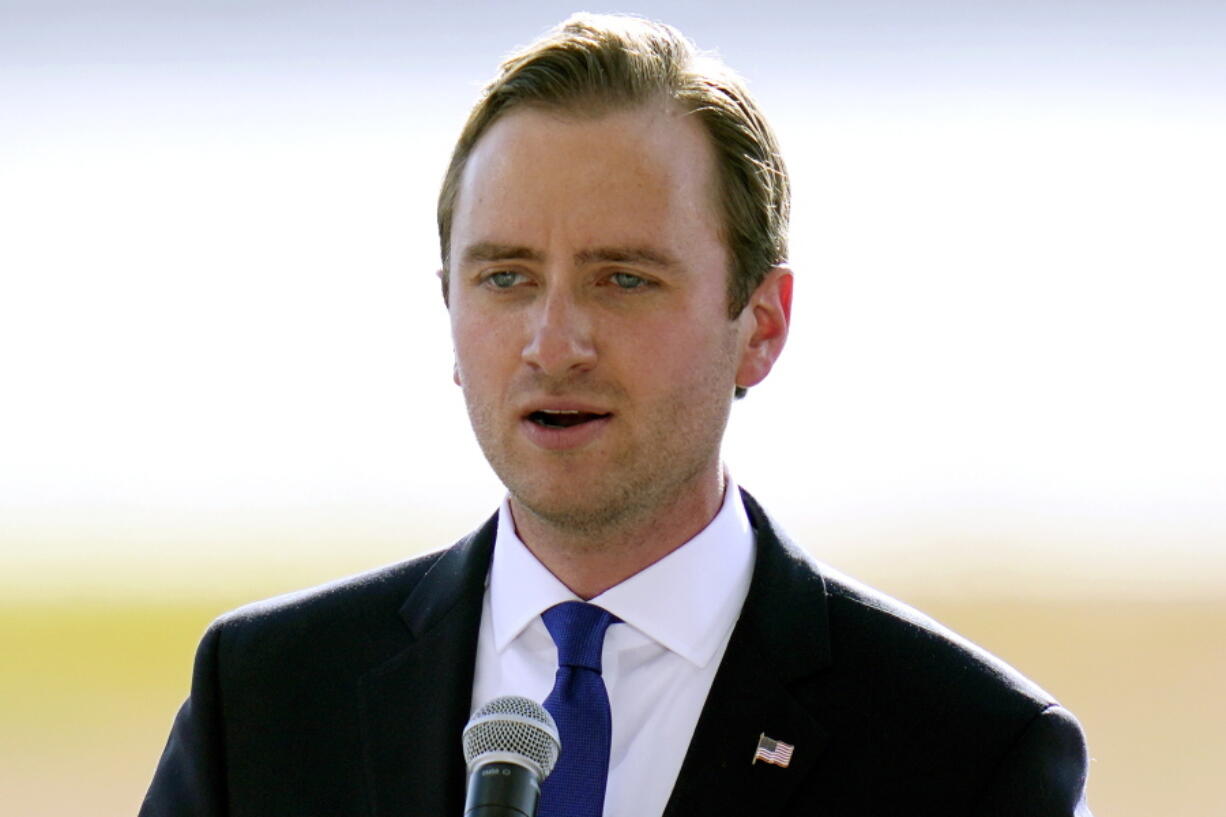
x=564, y=418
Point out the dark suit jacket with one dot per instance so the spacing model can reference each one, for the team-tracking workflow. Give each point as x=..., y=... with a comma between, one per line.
x=349, y=700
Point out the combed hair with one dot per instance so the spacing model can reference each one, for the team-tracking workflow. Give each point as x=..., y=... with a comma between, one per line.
x=591, y=64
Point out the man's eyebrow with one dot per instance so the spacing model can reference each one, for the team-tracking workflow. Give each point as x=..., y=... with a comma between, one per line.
x=625, y=255
x=493, y=251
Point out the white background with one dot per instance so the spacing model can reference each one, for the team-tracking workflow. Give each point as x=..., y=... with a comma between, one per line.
x=222, y=349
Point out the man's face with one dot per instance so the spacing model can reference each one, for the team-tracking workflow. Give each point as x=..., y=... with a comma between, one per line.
x=588, y=302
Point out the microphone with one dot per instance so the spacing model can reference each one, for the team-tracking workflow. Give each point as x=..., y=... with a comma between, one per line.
x=510, y=745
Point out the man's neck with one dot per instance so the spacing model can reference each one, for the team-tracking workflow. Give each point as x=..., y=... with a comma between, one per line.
x=589, y=562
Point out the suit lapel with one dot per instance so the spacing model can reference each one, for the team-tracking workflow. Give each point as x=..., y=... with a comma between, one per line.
x=415, y=706
x=780, y=640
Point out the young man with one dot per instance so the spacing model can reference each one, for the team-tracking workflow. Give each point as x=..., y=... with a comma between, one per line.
x=613, y=230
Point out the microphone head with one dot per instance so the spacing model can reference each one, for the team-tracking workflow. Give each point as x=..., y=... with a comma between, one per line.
x=512, y=729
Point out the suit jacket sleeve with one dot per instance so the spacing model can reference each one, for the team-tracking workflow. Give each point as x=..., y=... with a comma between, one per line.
x=1044, y=772
x=189, y=781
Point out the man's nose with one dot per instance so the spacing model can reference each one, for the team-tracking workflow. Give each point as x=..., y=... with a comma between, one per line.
x=560, y=340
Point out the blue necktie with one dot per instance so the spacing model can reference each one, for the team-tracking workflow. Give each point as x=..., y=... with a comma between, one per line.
x=579, y=704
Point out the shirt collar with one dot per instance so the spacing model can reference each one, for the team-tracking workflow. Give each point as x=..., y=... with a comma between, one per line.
x=687, y=602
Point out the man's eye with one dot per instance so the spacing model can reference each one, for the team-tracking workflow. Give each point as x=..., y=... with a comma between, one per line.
x=626, y=280
x=503, y=280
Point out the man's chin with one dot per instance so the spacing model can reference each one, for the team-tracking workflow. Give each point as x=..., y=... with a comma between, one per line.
x=561, y=507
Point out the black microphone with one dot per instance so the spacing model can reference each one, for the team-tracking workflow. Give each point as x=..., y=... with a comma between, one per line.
x=510, y=745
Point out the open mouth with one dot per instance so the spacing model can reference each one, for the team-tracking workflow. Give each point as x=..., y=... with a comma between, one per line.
x=564, y=418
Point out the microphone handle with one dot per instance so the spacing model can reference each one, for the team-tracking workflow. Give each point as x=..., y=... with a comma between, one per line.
x=499, y=789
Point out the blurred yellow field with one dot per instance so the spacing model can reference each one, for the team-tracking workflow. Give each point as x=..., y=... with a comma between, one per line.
x=88, y=691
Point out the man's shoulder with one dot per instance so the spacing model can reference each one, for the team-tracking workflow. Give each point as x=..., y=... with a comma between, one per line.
x=872, y=638
x=358, y=613
x=920, y=714
x=879, y=631
x=367, y=616
x=373, y=591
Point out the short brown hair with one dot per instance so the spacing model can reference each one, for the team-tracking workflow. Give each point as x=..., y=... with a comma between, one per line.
x=596, y=62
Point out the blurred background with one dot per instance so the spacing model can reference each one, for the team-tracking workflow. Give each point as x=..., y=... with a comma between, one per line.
x=225, y=367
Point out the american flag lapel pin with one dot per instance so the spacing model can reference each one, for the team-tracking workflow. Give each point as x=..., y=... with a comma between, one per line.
x=773, y=751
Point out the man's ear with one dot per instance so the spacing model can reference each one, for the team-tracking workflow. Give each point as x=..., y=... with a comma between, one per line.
x=767, y=314
x=442, y=277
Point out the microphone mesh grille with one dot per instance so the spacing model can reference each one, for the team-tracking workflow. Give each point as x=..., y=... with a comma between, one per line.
x=516, y=725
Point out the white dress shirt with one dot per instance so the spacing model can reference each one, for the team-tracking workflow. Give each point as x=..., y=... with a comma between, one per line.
x=658, y=664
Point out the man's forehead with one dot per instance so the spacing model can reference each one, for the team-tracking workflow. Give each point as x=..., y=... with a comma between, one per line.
x=615, y=145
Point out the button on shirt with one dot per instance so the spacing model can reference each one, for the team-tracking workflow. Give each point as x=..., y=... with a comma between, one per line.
x=658, y=664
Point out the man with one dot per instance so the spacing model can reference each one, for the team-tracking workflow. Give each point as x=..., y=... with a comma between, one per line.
x=613, y=232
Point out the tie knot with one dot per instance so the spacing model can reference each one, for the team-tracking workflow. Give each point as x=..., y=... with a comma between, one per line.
x=578, y=630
